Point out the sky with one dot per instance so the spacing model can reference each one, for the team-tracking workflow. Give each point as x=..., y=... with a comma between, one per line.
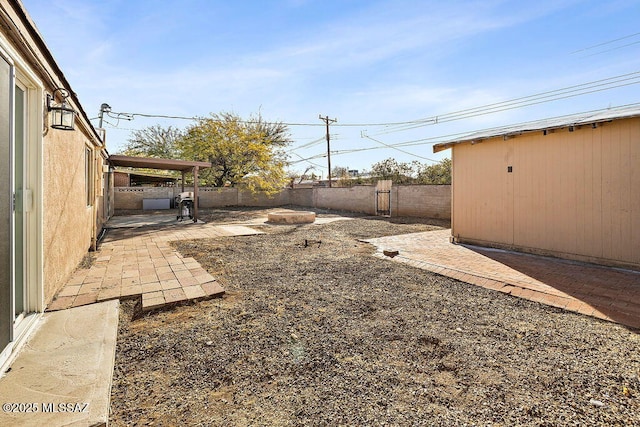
x=385, y=70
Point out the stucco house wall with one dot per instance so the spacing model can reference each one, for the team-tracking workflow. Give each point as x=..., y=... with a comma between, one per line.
x=69, y=218
x=56, y=176
x=571, y=192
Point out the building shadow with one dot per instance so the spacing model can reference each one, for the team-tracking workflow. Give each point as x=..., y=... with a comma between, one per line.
x=614, y=292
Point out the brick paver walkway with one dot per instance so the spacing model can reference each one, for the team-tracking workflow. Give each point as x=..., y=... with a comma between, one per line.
x=606, y=293
x=136, y=260
x=140, y=261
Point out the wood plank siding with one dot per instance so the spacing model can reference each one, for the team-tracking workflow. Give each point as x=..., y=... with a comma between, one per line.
x=573, y=194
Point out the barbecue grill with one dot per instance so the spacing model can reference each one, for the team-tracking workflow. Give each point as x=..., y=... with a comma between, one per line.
x=184, y=202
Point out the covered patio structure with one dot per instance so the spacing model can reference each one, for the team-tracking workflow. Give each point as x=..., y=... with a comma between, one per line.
x=184, y=166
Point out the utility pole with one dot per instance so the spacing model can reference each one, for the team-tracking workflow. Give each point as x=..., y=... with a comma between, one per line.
x=104, y=108
x=328, y=121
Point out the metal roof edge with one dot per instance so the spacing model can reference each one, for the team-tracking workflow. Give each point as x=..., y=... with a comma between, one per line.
x=589, y=117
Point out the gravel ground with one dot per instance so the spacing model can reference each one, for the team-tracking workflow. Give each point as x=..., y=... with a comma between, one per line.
x=326, y=334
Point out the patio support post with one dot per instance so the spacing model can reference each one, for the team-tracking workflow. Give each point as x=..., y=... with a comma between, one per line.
x=183, y=181
x=195, y=193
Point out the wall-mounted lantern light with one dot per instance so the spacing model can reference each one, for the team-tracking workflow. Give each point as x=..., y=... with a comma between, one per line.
x=62, y=116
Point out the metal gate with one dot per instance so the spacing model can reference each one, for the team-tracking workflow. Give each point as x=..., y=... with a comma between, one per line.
x=383, y=198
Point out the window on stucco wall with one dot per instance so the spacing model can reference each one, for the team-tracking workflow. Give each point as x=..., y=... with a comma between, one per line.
x=88, y=175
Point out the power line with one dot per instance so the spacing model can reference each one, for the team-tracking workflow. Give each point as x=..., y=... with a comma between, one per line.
x=364, y=135
x=539, y=98
x=605, y=43
x=317, y=156
x=116, y=127
x=302, y=159
x=612, y=49
x=309, y=144
x=425, y=141
x=448, y=137
x=444, y=138
x=548, y=96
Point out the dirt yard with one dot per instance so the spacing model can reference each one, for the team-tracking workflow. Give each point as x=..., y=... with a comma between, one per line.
x=323, y=333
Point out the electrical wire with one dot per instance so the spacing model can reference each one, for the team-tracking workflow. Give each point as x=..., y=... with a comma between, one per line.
x=305, y=160
x=444, y=138
x=364, y=135
x=525, y=101
x=116, y=126
x=308, y=144
x=612, y=49
x=605, y=43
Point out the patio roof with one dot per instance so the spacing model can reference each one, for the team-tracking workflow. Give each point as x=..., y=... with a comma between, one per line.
x=183, y=166
x=153, y=163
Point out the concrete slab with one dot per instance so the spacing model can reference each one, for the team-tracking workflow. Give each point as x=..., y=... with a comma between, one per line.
x=238, y=230
x=63, y=374
x=134, y=221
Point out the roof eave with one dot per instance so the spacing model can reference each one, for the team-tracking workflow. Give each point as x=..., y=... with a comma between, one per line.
x=156, y=163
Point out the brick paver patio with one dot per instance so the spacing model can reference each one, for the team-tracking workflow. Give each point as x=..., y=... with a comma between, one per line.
x=134, y=262
x=606, y=293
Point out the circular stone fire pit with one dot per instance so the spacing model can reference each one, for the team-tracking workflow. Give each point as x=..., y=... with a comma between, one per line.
x=291, y=217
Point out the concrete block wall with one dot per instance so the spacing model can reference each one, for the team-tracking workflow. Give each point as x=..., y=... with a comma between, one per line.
x=426, y=201
x=302, y=196
x=353, y=199
x=128, y=197
x=217, y=197
x=261, y=200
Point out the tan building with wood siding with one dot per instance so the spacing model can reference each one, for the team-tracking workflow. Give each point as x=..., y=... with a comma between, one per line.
x=566, y=187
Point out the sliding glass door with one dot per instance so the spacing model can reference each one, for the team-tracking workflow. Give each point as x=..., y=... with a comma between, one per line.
x=13, y=119
x=6, y=203
x=19, y=294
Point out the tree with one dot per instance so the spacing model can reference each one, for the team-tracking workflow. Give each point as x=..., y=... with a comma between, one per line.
x=340, y=172
x=154, y=141
x=439, y=173
x=399, y=173
x=242, y=152
x=304, y=175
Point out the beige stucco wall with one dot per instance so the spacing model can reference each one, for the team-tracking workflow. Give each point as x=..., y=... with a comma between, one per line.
x=57, y=227
x=67, y=220
x=63, y=224
x=571, y=194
